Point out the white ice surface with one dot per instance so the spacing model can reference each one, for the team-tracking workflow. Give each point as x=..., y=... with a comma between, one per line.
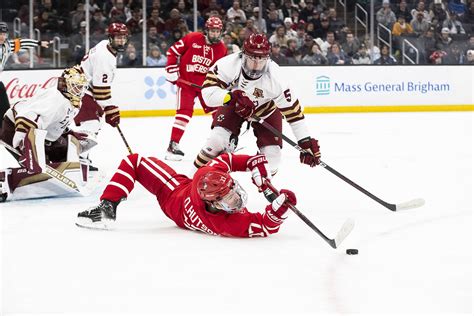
x=412, y=262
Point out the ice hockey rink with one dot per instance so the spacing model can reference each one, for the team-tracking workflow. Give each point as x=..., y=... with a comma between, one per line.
x=414, y=262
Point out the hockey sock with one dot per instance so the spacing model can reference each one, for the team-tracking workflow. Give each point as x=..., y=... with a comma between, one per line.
x=182, y=119
x=123, y=181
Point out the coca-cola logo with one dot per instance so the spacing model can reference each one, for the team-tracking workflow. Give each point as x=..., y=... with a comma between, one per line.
x=20, y=90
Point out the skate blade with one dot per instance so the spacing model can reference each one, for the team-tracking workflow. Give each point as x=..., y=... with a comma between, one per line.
x=88, y=224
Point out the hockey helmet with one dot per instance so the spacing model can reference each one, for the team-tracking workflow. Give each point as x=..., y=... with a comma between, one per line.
x=3, y=27
x=75, y=83
x=118, y=36
x=221, y=191
x=256, y=55
x=213, y=23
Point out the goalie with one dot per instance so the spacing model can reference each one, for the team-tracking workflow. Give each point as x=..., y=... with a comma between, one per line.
x=37, y=133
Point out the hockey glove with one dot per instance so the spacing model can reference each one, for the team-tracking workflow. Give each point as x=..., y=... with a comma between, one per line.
x=172, y=73
x=112, y=115
x=258, y=166
x=280, y=205
x=312, y=155
x=244, y=107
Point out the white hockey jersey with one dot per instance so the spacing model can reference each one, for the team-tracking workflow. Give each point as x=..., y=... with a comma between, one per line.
x=269, y=92
x=99, y=66
x=48, y=110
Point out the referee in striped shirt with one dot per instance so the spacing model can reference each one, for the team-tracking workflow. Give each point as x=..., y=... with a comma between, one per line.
x=8, y=47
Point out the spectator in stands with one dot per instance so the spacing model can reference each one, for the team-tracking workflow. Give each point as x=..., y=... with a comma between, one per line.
x=78, y=44
x=130, y=57
x=469, y=57
x=174, y=20
x=262, y=26
x=455, y=55
x=337, y=56
x=229, y=42
x=213, y=6
x=385, y=15
x=325, y=27
x=134, y=24
x=326, y=46
x=373, y=50
x=235, y=14
x=437, y=57
x=77, y=16
x=444, y=41
x=420, y=25
x=362, y=56
x=241, y=36
x=277, y=56
x=310, y=30
x=468, y=18
x=385, y=57
x=401, y=28
x=470, y=44
x=315, y=56
x=307, y=12
x=272, y=7
x=300, y=36
x=336, y=23
x=273, y=22
x=249, y=28
x=453, y=24
x=288, y=24
x=308, y=45
x=98, y=22
x=288, y=9
x=153, y=38
x=351, y=45
x=156, y=21
x=402, y=9
x=119, y=12
x=428, y=44
x=47, y=25
x=184, y=11
x=155, y=58
x=457, y=6
x=291, y=51
x=420, y=7
x=437, y=12
x=279, y=37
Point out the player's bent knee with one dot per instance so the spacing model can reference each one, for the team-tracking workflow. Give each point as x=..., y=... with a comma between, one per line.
x=273, y=154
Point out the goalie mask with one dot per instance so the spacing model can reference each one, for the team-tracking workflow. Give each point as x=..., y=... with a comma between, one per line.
x=222, y=192
x=213, y=29
x=73, y=84
x=256, y=56
x=118, y=36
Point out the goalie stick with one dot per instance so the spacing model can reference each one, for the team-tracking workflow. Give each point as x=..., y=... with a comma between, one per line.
x=344, y=231
x=57, y=176
x=414, y=203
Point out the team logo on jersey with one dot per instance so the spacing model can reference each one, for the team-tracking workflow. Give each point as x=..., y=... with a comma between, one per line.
x=206, y=49
x=196, y=45
x=220, y=117
x=258, y=93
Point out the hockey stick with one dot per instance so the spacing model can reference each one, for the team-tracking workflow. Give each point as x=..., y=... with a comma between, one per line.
x=393, y=207
x=341, y=235
x=414, y=203
x=53, y=173
x=124, y=140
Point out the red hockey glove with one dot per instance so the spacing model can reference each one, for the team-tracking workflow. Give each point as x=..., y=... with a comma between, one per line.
x=280, y=205
x=244, y=107
x=112, y=115
x=172, y=73
x=312, y=155
x=258, y=166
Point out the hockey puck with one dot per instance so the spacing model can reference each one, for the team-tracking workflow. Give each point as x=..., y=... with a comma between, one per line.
x=352, y=251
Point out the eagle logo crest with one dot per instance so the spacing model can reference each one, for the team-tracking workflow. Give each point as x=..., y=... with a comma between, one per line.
x=258, y=93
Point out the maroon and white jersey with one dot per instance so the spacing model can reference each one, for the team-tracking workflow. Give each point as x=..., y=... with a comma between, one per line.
x=99, y=66
x=194, y=56
x=269, y=92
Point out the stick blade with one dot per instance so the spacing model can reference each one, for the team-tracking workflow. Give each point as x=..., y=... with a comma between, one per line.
x=410, y=204
x=344, y=231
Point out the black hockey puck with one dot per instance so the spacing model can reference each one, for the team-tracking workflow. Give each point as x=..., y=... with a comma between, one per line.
x=352, y=251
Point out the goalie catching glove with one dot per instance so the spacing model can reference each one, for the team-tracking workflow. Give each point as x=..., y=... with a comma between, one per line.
x=312, y=155
x=244, y=107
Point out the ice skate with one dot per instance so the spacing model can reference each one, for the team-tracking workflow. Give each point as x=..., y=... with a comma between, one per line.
x=101, y=216
x=174, y=152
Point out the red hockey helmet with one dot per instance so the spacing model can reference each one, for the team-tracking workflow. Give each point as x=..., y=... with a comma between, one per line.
x=256, y=55
x=221, y=191
x=213, y=25
x=118, y=36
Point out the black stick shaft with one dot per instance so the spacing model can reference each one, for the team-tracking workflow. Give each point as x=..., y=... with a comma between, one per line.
x=124, y=140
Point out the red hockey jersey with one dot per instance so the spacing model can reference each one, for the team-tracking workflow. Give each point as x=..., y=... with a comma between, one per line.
x=194, y=56
x=187, y=210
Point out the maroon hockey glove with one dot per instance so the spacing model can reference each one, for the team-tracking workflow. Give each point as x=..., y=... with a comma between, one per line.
x=172, y=73
x=258, y=165
x=244, y=107
x=112, y=115
x=280, y=205
x=312, y=155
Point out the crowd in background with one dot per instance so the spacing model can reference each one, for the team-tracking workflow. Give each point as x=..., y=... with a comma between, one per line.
x=309, y=32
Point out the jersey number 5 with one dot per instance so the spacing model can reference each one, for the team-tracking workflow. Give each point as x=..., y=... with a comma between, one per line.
x=287, y=95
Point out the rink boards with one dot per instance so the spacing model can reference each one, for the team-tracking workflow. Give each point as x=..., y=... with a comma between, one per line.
x=338, y=89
